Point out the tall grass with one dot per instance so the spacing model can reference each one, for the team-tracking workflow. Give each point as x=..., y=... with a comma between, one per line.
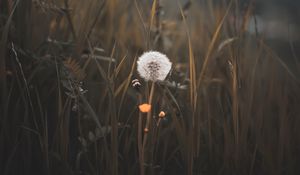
x=68, y=106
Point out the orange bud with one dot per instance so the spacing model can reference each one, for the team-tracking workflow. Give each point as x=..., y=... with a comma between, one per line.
x=145, y=107
x=162, y=114
x=146, y=130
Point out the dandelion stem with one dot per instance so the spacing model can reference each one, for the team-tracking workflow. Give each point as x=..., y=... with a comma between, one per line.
x=148, y=122
x=149, y=102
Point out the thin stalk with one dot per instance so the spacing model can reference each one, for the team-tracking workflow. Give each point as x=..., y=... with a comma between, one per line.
x=140, y=142
x=148, y=122
x=149, y=102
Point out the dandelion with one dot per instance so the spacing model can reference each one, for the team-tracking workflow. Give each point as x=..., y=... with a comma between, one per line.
x=153, y=66
x=145, y=107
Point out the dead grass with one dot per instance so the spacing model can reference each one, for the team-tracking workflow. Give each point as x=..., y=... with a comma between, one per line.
x=68, y=107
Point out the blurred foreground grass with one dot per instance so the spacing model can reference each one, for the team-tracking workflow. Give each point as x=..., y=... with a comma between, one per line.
x=68, y=106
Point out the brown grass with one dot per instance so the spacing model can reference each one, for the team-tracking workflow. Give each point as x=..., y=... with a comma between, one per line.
x=68, y=106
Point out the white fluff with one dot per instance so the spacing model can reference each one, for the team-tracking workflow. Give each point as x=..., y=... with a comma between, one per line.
x=153, y=66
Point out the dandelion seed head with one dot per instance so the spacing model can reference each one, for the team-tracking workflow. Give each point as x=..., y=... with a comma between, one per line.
x=153, y=66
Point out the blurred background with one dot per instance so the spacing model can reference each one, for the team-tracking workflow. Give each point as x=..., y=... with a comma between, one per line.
x=231, y=99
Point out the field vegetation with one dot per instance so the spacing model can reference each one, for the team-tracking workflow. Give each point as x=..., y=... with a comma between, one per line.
x=69, y=107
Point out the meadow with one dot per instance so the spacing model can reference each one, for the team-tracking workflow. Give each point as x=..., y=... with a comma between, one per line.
x=70, y=99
